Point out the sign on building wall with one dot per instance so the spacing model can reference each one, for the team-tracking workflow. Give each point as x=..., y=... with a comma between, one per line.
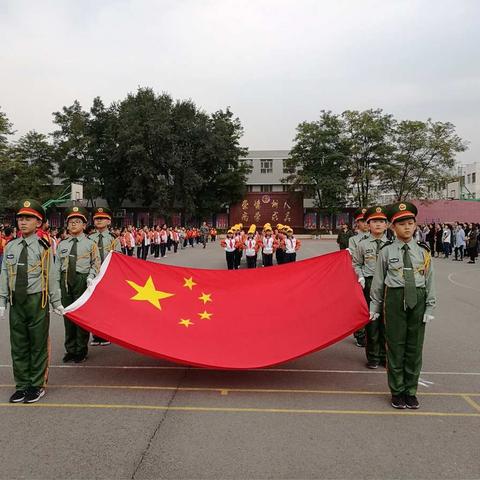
x=260, y=208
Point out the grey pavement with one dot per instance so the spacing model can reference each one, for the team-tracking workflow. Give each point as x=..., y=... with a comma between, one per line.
x=123, y=415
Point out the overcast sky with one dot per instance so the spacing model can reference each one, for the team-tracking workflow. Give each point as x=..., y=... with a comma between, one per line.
x=274, y=62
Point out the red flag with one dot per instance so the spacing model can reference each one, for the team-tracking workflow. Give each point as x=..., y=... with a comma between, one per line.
x=218, y=318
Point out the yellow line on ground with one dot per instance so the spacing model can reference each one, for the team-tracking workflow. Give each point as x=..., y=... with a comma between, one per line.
x=227, y=390
x=236, y=409
x=472, y=402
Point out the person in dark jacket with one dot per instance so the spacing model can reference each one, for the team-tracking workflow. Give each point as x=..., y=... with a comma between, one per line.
x=343, y=236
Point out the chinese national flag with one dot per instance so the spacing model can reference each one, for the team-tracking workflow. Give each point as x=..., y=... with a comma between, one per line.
x=226, y=319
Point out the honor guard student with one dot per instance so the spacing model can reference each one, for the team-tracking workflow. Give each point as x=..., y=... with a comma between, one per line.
x=362, y=232
x=77, y=265
x=403, y=288
x=364, y=262
x=106, y=243
x=27, y=283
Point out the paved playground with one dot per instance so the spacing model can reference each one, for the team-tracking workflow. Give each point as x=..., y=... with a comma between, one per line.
x=125, y=416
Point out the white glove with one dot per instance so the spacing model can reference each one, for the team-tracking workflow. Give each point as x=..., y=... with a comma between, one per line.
x=2, y=313
x=349, y=251
x=361, y=281
x=60, y=310
x=427, y=318
x=89, y=282
x=374, y=316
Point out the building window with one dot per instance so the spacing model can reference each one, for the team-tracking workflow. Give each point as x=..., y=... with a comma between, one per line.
x=286, y=168
x=266, y=166
x=285, y=188
x=266, y=188
x=474, y=177
x=468, y=178
x=249, y=188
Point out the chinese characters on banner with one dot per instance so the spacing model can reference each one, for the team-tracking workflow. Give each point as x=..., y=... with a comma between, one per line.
x=260, y=208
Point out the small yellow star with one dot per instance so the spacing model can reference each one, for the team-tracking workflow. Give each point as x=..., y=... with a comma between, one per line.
x=186, y=322
x=189, y=283
x=149, y=293
x=205, y=315
x=205, y=297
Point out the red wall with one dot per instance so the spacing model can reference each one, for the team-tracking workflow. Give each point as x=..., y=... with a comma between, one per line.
x=447, y=211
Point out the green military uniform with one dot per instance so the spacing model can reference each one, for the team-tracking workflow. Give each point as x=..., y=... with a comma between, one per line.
x=27, y=282
x=106, y=243
x=364, y=260
x=403, y=287
x=358, y=215
x=77, y=261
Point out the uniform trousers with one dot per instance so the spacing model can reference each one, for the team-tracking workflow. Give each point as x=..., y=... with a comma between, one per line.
x=76, y=338
x=29, y=324
x=375, y=332
x=405, y=332
x=230, y=256
x=251, y=261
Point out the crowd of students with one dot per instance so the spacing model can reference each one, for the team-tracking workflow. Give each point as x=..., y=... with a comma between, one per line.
x=140, y=241
x=269, y=242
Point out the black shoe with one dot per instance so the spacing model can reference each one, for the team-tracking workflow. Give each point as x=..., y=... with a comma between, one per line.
x=372, y=364
x=361, y=342
x=95, y=343
x=17, y=397
x=80, y=358
x=470, y=262
x=412, y=402
x=34, y=394
x=398, y=402
x=68, y=357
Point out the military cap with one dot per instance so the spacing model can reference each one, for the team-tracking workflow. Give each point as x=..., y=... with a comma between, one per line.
x=31, y=208
x=359, y=213
x=102, y=212
x=377, y=212
x=77, y=212
x=401, y=211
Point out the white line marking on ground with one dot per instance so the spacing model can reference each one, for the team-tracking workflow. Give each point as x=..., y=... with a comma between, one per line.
x=281, y=370
x=462, y=285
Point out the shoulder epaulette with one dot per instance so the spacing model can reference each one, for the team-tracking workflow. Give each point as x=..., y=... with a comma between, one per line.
x=363, y=238
x=389, y=242
x=424, y=245
x=44, y=243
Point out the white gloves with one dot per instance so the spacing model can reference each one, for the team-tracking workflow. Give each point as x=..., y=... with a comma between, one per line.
x=361, y=281
x=2, y=313
x=349, y=251
x=60, y=310
x=374, y=316
x=427, y=318
x=89, y=282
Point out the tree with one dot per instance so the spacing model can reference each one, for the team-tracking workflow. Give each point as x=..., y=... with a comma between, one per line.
x=367, y=135
x=423, y=154
x=74, y=150
x=26, y=170
x=319, y=161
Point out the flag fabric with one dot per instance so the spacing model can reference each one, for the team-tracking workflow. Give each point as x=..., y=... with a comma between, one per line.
x=224, y=319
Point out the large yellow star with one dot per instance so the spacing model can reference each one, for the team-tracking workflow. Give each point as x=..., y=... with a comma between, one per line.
x=148, y=293
x=205, y=315
x=186, y=322
x=205, y=297
x=189, y=283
